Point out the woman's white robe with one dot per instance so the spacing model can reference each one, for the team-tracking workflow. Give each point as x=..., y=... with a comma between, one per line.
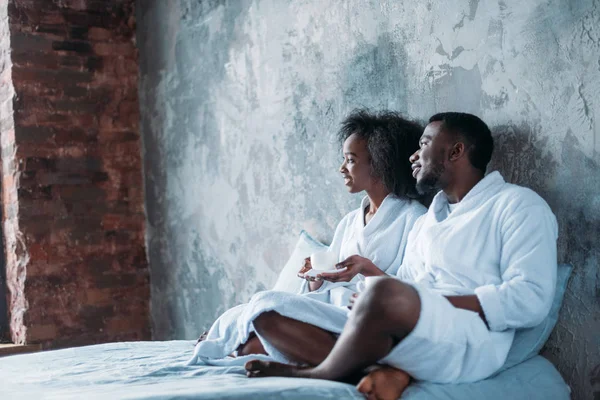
x=383, y=241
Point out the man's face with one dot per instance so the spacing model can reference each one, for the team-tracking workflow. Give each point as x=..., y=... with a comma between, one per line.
x=429, y=162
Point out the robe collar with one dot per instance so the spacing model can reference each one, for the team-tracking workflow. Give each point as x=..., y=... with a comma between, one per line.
x=482, y=191
x=383, y=213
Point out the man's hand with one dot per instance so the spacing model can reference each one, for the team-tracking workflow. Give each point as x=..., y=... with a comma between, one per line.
x=313, y=282
x=352, y=300
x=354, y=265
x=468, y=302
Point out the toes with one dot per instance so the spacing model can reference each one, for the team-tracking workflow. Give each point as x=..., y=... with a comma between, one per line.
x=365, y=385
x=384, y=383
x=252, y=365
x=253, y=374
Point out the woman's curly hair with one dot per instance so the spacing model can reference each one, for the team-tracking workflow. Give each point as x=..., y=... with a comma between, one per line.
x=391, y=140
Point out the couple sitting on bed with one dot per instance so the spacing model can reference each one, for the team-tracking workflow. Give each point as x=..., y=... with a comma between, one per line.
x=480, y=263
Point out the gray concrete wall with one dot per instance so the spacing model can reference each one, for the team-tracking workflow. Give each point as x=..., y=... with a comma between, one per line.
x=240, y=101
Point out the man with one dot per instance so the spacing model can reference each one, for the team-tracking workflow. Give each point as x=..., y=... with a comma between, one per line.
x=480, y=263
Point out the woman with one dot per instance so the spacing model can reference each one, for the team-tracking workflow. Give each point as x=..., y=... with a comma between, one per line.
x=368, y=241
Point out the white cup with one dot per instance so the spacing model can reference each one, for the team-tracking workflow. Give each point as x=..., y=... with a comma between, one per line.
x=323, y=260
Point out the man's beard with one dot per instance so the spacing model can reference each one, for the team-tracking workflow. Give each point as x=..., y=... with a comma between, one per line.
x=431, y=182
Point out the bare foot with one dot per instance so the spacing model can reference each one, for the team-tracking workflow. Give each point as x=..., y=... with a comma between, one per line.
x=258, y=369
x=202, y=337
x=385, y=383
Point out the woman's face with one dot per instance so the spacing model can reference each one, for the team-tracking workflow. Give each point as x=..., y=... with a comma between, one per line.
x=356, y=167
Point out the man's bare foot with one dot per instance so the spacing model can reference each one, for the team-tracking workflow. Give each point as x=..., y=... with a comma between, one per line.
x=385, y=383
x=202, y=337
x=259, y=369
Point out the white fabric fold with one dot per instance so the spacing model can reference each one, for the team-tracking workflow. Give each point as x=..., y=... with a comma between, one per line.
x=235, y=325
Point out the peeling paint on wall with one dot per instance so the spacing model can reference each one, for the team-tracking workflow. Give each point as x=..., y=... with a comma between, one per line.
x=241, y=100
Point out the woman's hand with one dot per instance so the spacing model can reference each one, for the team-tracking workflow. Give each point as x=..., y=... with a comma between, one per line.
x=305, y=268
x=313, y=282
x=354, y=265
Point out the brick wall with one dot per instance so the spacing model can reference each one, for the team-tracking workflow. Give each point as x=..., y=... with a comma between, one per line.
x=80, y=188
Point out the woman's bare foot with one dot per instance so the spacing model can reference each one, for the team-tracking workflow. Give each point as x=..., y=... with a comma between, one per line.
x=202, y=337
x=259, y=369
x=385, y=383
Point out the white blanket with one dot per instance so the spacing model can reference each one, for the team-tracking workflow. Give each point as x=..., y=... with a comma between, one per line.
x=382, y=240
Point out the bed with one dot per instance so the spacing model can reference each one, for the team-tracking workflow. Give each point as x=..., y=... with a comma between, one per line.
x=157, y=370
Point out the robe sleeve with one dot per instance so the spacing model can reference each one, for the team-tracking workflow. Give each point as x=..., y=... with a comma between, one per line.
x=335, y=247
x=528, y=270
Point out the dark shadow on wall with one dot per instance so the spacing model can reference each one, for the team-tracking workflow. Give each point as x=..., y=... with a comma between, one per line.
x=570, y=186
x=518, y=156
x=595, y=382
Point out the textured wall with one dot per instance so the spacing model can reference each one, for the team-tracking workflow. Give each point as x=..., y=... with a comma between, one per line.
x=8, y=265
x=83, y=276
x=240, y=100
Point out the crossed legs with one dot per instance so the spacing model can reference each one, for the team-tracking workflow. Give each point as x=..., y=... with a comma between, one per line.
x=382, y=316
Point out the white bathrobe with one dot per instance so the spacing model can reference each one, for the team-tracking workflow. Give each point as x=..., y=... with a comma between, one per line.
x=498, y=243
x=383, y=241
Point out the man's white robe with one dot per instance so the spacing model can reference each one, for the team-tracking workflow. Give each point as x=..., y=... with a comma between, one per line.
x=498, y=243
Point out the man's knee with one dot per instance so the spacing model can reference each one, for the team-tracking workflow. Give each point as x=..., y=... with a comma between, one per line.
x=388, y=298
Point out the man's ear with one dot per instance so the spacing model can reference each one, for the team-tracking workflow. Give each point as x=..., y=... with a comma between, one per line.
x=458, y=151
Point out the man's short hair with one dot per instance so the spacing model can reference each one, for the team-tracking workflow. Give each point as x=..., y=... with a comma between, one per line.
x=473, y=131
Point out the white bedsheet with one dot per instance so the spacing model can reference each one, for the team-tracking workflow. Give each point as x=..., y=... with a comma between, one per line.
x=157, y=370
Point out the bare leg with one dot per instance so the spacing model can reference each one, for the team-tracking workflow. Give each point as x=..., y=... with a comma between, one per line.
x=252, y=346
x=383, y=315
x=298, y=341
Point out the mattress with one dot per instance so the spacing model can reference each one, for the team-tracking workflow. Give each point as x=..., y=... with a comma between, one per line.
x=158, y=370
